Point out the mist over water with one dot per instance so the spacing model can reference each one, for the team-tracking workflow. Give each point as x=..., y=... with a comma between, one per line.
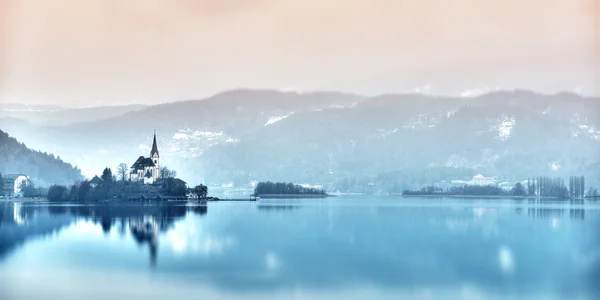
x=382, y=248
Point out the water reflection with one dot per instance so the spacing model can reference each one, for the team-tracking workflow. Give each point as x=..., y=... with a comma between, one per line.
x=16, y=224
x=512, y=247
x=575, y=209
x=277, y=208
x=145, y=230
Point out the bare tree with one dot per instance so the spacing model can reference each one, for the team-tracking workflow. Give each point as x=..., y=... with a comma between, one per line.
x=122, y=171
x=167, y=173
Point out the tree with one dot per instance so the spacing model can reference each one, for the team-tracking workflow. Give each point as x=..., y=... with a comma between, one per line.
x=107, y=176
x=200, y=191
x=122, y=171
x=518, y=190
x=56, y=193
x=165, y=172
x=73, y=192
x=174, y=187
x=84, y=189
x=28, y=189
x=270, y=188
x=1, y=185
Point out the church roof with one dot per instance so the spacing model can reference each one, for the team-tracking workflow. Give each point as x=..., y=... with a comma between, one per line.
x=154, y=147
x=142, y=162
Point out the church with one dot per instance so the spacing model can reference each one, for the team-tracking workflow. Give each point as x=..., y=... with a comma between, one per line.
x=146, y=169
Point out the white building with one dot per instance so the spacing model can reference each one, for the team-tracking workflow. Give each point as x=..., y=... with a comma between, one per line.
x=13, y=184
x=482, y=180
x=146, y=169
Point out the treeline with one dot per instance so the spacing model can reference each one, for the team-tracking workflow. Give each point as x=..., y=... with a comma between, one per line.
x=282, y=188
x=548, y=187
x=397, y=181
x=536, y=187
x=468, y=190
x=577, y=186
x=108, y=187
x=41, y=167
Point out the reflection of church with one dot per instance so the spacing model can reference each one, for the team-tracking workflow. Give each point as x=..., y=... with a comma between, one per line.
x=145, y=230
x=146, y=169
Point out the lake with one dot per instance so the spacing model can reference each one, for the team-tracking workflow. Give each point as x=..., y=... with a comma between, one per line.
x=334, y=248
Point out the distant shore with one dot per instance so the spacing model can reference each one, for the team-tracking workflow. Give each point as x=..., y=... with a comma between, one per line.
x=293, y=196
x=486, y=196
x=23, y=200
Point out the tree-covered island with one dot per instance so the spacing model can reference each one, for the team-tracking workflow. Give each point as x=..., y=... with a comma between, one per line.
x=286, y=190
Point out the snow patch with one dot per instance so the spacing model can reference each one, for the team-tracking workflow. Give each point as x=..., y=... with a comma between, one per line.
x=341, y=106
x=472, y=93
x=456, y=161
x=423, y=121
x=505, y=128
x=273, y=120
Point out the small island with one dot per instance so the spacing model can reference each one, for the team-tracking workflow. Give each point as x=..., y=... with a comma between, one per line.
x=286, y=190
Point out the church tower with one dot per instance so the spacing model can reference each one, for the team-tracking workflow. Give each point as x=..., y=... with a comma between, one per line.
x=155, y=157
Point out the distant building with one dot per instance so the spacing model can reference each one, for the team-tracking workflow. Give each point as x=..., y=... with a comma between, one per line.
x=482, y=180
x=13, y=184
x=146, y=169
x=478, y=179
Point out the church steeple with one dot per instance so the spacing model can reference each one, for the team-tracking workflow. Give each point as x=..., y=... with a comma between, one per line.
x=154, y=147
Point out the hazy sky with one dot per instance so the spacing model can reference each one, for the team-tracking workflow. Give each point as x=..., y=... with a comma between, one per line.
x=75, y=52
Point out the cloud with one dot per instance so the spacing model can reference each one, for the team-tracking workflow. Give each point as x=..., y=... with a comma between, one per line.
x=74, y=52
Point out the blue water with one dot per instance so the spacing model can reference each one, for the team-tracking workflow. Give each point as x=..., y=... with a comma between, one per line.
x=338, y=248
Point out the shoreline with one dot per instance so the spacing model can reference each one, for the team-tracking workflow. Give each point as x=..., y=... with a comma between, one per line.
x=490, y=197
x=292, y=196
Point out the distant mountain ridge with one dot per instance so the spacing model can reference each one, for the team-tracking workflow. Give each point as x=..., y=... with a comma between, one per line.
x=50, y=115
x=43, y=168
x=328, y=137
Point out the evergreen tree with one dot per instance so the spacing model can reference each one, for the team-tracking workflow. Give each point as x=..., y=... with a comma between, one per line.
x=83, y=191
x=107, y=176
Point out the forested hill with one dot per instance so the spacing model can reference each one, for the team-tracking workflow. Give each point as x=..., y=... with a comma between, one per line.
x=43, y=168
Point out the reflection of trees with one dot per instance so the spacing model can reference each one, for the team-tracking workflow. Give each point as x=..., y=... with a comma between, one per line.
x=16, y=228
x=276, y=208
x=199, y=210
x=575, y=210
x=162, y=217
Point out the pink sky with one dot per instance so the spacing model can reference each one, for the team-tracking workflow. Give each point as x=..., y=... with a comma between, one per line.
x=74, y=52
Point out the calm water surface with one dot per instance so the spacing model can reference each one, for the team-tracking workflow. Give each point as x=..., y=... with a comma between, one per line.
x=339, y=248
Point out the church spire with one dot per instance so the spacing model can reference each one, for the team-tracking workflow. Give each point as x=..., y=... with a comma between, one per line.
x=154, y=147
